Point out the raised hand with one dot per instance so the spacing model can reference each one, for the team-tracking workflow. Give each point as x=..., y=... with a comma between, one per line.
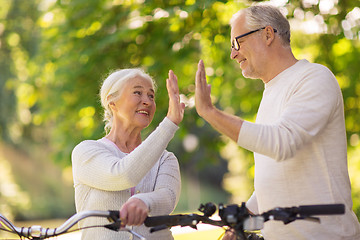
x=176, y=108
x=202, y=91
x=223, y=122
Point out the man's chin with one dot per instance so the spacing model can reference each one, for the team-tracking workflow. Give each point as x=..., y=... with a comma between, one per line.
x=248, y=74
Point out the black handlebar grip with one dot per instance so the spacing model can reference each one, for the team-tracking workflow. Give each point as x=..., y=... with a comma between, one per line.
x=160, y=220
x=326, y=209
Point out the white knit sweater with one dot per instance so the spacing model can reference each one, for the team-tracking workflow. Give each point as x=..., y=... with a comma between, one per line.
x=104, y=175
x=299, y=145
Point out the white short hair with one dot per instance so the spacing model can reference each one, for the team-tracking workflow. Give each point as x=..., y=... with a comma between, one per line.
x=263, y=15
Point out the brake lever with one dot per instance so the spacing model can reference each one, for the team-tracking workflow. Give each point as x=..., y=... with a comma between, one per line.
x=114, y=217
x=134, y=233
x=115, y=226
x=158, y=228
x=308, y=218
x=292, y=219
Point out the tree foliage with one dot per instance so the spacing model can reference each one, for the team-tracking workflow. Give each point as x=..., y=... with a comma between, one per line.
x=54, y=55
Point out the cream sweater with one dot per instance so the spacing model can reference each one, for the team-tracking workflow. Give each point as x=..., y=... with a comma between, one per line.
x=299, y=145
x=104, y=176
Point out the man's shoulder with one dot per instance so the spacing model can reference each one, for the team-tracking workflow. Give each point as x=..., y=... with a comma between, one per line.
x=314, y=73
x=319, y=79
x=314, y=67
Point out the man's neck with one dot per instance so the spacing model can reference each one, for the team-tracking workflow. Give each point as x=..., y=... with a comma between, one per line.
x=281, y=61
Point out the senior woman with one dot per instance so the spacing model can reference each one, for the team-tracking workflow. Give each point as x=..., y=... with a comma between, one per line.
x=120, y=171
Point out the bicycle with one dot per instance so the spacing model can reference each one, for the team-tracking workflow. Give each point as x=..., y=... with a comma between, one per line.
x=237, y=218
x=233, y=216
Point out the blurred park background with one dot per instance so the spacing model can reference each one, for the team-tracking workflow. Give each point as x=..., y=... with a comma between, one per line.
x=55, y=53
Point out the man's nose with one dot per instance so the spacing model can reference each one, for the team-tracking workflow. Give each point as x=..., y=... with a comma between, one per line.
x=233, y=53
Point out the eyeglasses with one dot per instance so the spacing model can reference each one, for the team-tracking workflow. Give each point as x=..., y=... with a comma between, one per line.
x=235, y=42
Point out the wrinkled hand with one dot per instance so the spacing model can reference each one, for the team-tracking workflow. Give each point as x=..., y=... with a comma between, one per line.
x=133, y=212
x=203, y=102
x=176, y=108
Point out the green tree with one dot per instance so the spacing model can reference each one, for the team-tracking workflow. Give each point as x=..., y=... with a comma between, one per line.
x=56, y=53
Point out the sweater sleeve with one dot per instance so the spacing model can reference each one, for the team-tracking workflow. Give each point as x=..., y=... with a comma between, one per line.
x=96, y=166
x=252, y=205
x=306, y=111
x=167, y=188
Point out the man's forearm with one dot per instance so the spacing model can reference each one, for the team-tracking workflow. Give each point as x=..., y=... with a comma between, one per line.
x=224, y=123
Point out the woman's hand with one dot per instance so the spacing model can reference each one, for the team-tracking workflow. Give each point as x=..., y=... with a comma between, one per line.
x=176, y=108
x=133, y=212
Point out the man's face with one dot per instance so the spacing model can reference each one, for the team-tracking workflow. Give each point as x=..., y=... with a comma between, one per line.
x=248, y=54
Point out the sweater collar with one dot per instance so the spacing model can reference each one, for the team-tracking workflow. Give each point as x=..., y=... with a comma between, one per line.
x=286, y=73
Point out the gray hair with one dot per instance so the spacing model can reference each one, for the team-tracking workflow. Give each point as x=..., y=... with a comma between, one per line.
x=112, y=87
x=259, y=16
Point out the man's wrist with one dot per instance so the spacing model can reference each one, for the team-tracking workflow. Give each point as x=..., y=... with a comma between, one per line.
x=208, y=114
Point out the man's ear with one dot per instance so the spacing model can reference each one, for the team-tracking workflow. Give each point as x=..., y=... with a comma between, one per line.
x=269, y=35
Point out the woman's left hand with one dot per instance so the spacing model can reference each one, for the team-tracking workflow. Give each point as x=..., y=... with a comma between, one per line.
x=133, y=212
x=176, y=108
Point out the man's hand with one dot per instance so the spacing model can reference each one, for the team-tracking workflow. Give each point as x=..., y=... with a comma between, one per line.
x=176, y=108
x=133, y=212
x=223, y=122
x=229, y=235
x=203, y=102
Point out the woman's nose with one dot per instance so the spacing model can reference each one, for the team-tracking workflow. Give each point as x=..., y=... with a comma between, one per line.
x=146, y=101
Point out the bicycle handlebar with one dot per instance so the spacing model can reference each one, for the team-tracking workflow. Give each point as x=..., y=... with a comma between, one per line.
x=38, y=232
x=288, y=215
x=326, y=209
x=181, y=220
x=234, y=216
x=238, y=218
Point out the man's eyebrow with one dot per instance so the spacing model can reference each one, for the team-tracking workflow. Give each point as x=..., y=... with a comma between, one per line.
x=138, y=86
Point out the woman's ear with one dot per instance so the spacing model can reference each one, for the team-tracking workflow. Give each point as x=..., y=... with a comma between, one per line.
x=112, y=105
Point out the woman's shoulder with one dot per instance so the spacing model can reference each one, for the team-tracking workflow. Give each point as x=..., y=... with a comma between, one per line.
x=87, y=145
x=87, y=149
x=166, y=155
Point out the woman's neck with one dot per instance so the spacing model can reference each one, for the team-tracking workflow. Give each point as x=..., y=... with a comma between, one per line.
x=126, y=140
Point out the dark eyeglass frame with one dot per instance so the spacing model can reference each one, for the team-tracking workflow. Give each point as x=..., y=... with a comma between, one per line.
x=237, y=46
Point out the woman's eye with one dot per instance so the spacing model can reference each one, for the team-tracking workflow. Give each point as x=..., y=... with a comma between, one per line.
x=137, y=92
x=151, y=96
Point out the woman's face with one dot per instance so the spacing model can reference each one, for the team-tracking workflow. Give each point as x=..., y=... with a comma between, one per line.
x=136, y=106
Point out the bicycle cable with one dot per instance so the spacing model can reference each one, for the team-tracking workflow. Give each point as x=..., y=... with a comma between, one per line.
x=7, y=225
